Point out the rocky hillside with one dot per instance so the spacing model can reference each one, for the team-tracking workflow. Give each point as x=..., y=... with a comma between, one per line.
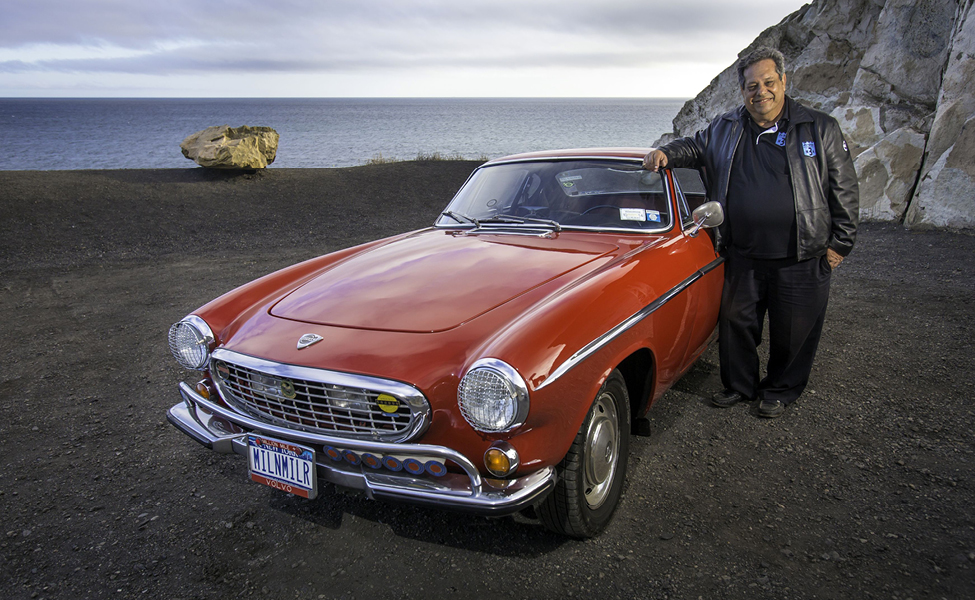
x=899, y=76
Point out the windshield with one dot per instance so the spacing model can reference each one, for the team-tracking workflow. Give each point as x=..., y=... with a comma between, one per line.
x=591, y=194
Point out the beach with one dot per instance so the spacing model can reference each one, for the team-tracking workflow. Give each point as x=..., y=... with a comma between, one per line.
x=864, y=488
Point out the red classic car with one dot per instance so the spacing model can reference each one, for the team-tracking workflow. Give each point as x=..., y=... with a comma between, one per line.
x=496, y=361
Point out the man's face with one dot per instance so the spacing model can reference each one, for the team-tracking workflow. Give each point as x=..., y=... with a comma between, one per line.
x=764, y=92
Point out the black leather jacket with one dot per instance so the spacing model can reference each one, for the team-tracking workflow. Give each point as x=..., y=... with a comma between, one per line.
x=824, y=182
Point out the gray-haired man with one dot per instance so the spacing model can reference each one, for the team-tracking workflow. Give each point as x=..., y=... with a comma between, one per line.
x=785, y=178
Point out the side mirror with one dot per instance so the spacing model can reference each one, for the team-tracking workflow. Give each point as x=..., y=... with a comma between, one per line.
x=706, y=216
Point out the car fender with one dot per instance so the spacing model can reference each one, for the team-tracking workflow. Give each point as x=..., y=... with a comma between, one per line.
x=558, y=327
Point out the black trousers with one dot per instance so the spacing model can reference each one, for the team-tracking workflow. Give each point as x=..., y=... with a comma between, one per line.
x=794, y=295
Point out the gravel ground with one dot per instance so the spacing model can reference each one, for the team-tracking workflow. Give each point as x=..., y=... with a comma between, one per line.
x=864, y=488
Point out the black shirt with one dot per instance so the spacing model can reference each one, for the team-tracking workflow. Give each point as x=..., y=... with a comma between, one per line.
x=761, y=206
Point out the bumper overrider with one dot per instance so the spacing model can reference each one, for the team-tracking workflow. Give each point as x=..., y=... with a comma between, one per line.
x=225, y=431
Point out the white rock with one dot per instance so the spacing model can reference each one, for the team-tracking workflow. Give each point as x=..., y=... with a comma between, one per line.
x=860, y=125
x=946, y=195
x=907, y=52
x=887, y=172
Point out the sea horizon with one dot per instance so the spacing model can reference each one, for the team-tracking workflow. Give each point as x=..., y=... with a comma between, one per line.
x=57, y=133
x=638, y=98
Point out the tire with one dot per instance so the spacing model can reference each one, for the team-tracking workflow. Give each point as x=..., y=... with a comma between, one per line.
x=590, y=477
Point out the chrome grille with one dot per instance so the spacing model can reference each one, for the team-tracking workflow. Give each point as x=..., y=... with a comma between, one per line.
x=318, y=405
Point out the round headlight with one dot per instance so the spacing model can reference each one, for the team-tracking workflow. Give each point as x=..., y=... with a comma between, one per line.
x=493, y=396
x=190, y=341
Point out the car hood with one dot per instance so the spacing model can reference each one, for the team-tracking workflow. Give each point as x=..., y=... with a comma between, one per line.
x=435, y=280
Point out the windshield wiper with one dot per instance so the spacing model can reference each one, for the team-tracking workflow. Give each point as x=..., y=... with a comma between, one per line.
x=521, y=221
x=461, y=218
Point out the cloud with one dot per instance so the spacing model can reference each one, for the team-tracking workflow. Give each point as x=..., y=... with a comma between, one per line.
x=193, y=37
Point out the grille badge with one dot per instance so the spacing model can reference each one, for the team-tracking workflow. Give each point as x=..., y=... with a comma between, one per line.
x=288, y=389
x=308, y=339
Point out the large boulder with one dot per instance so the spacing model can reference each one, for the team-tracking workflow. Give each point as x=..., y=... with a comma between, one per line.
x=945, y=194
x=898, y=75
x=225, y=147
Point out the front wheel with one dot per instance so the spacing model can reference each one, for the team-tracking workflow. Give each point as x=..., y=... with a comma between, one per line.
x=591, y=475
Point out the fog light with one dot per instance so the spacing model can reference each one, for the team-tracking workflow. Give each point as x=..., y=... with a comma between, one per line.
x=501, y=459
x=203, y=389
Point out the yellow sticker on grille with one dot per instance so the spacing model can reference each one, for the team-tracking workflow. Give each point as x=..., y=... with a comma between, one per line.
x=387, y=403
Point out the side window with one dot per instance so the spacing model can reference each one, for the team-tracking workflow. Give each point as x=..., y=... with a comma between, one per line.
x=691, y=193
x=682, y=207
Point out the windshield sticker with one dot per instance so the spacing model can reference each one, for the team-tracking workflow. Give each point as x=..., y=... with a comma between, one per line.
x=567, y=181
x=633, y=214
x=653, y=215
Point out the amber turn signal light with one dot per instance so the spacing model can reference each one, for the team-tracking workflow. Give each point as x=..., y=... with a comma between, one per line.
x=203, y=389
x=501, y=459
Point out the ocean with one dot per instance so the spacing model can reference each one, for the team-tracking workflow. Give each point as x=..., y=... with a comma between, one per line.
x=43, y=134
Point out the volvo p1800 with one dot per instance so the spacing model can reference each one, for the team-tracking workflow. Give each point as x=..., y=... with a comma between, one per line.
x=497, y=361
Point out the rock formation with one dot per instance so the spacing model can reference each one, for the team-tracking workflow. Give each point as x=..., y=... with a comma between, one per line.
x=225, y=147
x=899, y=76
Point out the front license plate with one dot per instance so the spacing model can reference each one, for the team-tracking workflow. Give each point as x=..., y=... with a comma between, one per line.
x=282, y=465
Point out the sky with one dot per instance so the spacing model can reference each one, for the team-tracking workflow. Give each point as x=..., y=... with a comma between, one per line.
x=374, y=48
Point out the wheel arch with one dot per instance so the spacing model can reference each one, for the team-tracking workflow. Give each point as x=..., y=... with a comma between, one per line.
x=638, y=370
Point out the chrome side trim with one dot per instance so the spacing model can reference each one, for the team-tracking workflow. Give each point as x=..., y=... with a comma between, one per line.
x=417, y=401
x=714, y=264
x=590, y=348
x=468, y=492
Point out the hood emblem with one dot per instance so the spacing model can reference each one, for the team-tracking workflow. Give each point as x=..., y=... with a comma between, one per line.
x=308, y=339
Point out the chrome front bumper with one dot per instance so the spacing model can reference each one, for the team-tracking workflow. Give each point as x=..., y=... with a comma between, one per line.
x=207, y=423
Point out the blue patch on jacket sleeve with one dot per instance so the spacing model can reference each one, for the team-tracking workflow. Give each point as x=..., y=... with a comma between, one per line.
x=809, y=148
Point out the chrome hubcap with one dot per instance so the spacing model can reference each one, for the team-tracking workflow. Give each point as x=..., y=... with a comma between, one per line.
x=601, y=450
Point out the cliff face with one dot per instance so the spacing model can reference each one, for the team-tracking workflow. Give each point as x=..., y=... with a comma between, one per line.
x=899, y=76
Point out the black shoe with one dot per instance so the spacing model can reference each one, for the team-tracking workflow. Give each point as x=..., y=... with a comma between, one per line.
x=770, y=408
x=726, y=398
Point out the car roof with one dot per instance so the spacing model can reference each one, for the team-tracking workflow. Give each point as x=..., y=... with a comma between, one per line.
x=624, y=153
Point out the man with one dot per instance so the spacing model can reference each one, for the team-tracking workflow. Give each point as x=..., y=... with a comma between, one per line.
x=784, y=175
